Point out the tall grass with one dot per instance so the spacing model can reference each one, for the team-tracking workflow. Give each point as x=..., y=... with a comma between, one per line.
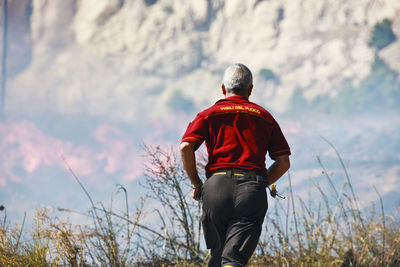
x=330, y=230
x=326, y=232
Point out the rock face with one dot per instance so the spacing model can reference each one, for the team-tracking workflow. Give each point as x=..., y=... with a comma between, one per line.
x=116, y=58
x=19, y=43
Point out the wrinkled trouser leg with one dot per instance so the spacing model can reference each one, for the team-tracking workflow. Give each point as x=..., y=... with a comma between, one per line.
x=233, y=212
x=245, y=225
x=217, y=197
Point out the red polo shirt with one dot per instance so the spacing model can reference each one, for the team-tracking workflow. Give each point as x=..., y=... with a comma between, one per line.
x=238, y=134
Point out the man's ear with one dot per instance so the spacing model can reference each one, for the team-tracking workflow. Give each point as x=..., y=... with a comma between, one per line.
x=223, y=89
x=249, y=91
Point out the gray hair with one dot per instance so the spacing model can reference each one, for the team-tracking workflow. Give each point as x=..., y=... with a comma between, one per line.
x=237, y=79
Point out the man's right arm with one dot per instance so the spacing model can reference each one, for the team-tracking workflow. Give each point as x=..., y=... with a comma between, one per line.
x=189, y=163
x=278, y=168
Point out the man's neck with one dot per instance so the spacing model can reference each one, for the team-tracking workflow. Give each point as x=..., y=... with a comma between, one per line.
x=232, y=94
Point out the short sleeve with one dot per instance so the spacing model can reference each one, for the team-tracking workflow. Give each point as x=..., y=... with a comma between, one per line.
x=197, y=131
x=278, y=145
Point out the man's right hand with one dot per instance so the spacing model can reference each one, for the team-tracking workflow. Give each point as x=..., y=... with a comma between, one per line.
x=197, y=193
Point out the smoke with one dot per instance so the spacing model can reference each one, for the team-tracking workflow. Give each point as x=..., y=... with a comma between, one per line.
x=150, y=69
x=26, y=149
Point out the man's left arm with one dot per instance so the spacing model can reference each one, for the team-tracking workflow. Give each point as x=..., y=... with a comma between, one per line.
x=279, y=152
x=278, y=168
x=189, y=163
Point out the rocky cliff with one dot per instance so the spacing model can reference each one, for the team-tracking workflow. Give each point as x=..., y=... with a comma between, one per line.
x=116, y=58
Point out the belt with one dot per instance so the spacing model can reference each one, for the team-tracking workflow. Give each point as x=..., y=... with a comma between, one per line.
x=241, y=174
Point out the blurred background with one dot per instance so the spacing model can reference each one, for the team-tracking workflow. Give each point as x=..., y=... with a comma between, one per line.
x=94, y=80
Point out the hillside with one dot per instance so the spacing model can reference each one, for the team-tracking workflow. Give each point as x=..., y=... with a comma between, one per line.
x=116, y=58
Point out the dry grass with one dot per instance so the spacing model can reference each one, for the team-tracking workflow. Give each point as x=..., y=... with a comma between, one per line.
x=331, y=232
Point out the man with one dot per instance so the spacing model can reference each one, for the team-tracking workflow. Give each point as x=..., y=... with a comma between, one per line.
x=238, y=134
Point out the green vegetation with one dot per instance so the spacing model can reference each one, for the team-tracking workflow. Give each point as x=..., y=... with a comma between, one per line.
x=269, y=75
x=150, y=2
x=332, y=231
x=378, y=91
x=178, y=102
x=382, y=35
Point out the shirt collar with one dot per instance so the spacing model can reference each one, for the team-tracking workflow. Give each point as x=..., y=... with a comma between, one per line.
x=234, y=97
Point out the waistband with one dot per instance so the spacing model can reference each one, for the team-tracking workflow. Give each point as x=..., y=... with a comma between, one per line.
x=241, y=174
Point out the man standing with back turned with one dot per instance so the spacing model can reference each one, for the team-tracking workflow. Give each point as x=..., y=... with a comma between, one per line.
x=238, y=135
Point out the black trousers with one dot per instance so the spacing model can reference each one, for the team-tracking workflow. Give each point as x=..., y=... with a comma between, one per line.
x=233, y=213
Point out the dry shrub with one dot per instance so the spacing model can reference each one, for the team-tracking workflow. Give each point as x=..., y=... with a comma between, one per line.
x=297, y=233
